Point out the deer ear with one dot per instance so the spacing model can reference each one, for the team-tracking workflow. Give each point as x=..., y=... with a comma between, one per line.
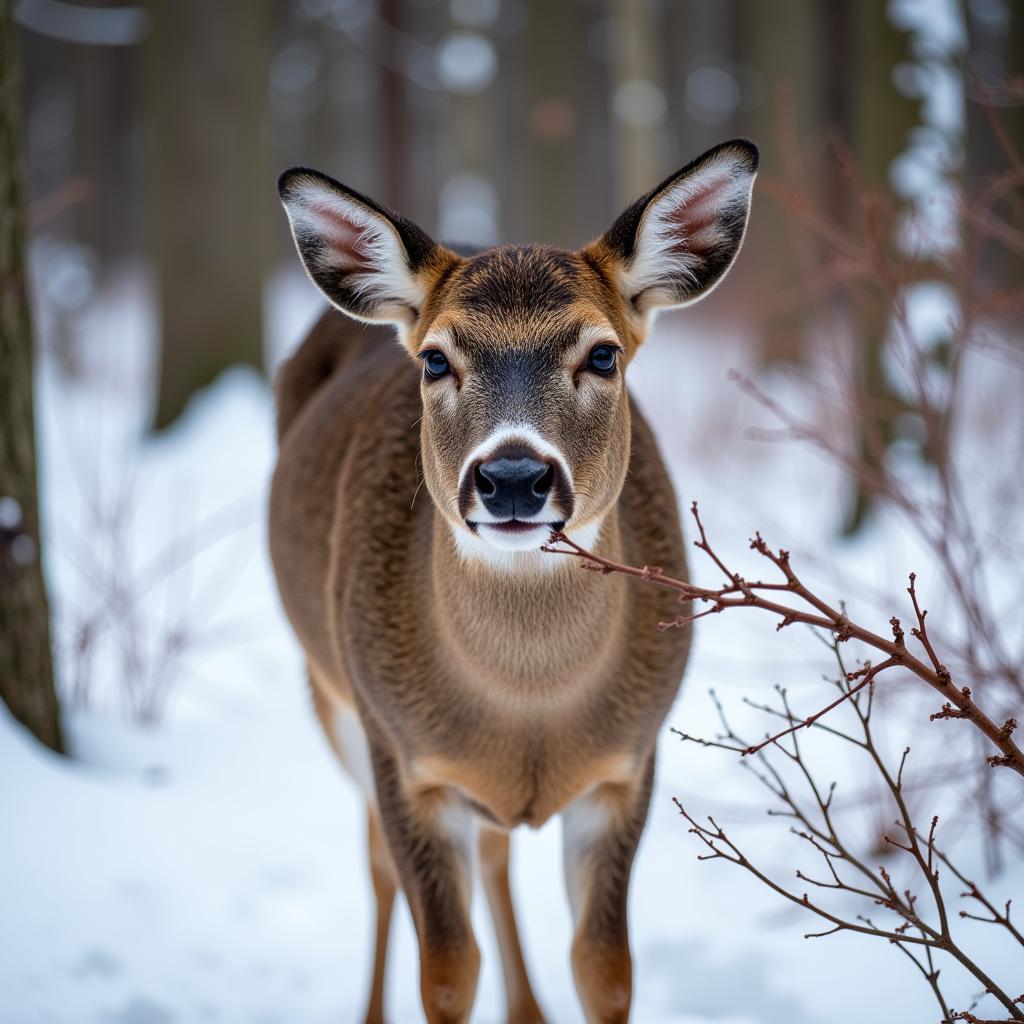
x=675, y=244
x=370, y=263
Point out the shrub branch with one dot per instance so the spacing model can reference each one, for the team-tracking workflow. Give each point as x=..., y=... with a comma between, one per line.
x=923, y=927
x=792, y=601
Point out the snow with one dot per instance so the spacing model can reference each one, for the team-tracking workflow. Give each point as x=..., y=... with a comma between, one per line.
x=210, y=864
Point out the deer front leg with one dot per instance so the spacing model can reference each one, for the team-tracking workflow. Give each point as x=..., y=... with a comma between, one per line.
x=431, y=836
x=382, y=874
x=522, y=1004
x=601, y=830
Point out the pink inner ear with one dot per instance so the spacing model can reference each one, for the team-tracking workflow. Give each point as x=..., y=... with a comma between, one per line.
x=695, y=216
x=351, y=244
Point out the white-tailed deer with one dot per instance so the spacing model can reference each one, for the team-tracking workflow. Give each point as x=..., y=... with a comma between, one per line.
x=470, y=682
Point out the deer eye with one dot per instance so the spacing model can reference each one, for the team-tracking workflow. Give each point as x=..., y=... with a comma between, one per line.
x=435, y=363
x=602, y=359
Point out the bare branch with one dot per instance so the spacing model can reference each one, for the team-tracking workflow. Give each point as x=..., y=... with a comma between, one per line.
x=922, y=931
x=740, y=593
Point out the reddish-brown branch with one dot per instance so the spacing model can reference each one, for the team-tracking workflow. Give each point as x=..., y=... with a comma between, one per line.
x=741, y=593
x=920, y=633
x=925, y=927
x=867, y=676
x=970, y=1018
x=721, y=847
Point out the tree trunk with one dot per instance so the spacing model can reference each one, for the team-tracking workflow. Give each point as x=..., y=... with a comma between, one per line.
x=552, y=153
x=470, y=148
x=882, y=121
x=26, y=668
x=393, y=122
x=779, y=251
x=994, y=57
x=640, y=142
x=211, y=192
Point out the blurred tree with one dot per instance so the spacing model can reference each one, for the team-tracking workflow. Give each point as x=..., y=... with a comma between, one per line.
x=598, y=192
x=703, y=78
x=470, y=152
x=786, y=109
x=864, y=114
x=26, y=668
x=995, y=40
x=104, y=141
x=551, y=157
x=211, y=189
x=426, y=116
x=392, y=121
x=881, y=121
x=639, y=106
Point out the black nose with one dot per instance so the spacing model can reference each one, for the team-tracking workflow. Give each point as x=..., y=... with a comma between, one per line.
x=514, y=488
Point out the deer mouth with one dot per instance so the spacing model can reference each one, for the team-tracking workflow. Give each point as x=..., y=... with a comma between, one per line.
x=513, y=534
x=514, y=526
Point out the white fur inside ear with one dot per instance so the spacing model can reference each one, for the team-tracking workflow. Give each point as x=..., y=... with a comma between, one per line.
x=689, y=221
x=356, y=241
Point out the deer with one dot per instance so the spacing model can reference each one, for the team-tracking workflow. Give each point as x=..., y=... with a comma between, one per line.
x=469, y=682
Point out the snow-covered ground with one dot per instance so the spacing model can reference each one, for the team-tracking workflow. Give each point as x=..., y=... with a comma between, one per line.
x=211, y=867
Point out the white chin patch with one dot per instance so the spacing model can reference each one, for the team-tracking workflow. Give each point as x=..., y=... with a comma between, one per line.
x=518, y=552
x=519, y=540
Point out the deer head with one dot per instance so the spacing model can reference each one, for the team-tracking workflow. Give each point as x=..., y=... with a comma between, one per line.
x=522, y=350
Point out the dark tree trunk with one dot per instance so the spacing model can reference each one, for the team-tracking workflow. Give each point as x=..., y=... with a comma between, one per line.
x=785, y=51
x=552, y=165
x=212, y=190
x=641, y=147
x=995, y=60
x=882, y=121
x=26, y=668
x=393, y=126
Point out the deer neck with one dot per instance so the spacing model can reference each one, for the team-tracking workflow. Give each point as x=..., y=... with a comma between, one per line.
x=533, y=625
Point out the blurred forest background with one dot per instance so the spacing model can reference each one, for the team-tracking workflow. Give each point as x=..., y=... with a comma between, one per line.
x=875, y=316
x=154, y=133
